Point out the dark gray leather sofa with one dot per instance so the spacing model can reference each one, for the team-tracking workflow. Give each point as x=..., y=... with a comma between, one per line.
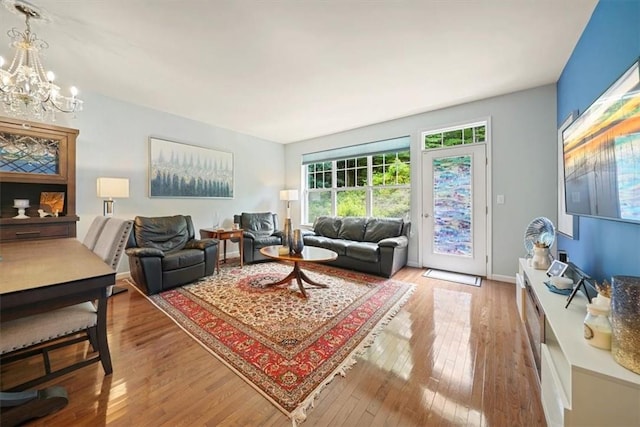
x=371, y=245
x=259, y=230
x=163, y=253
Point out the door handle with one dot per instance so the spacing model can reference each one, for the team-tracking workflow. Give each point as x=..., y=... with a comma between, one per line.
x=425, y=215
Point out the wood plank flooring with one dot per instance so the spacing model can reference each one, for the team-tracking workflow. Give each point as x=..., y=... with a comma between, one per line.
x=455, y=355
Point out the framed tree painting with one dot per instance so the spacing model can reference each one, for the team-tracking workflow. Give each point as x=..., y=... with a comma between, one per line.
x=181, y=170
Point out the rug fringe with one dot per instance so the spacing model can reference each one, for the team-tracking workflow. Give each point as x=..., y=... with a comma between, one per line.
x=299, y=415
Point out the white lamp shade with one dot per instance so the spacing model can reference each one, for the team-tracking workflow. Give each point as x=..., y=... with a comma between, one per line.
x=113, y=187
x=288, y=195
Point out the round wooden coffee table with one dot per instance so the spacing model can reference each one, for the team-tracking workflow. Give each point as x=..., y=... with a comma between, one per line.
x=309, y=254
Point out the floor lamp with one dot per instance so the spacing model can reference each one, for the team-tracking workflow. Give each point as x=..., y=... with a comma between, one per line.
x=288, y=196
x=109, y=189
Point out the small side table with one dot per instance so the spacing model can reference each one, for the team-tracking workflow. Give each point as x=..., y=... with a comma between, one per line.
x=224, y=235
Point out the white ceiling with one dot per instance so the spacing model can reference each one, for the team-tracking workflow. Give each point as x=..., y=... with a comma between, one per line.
x=290, y=70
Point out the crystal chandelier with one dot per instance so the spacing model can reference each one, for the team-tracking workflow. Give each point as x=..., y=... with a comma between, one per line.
x=26, y=89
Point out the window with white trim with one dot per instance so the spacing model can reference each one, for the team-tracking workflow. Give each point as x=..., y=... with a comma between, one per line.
x=372, y=179
x=454, y=136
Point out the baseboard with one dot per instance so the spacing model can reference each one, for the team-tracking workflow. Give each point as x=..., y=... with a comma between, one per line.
x=123, y=275
x=501, y=278
x=234, y=254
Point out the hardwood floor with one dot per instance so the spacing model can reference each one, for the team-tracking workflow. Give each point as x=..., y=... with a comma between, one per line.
x=454, y=355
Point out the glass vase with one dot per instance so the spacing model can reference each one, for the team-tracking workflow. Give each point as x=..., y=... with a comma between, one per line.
x=625, y=320
x=297, y=242
x=286, y=235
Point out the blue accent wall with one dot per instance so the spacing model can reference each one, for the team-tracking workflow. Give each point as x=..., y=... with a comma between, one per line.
x=608, y=46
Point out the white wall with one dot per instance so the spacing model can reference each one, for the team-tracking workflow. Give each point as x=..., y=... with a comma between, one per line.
x=113, y=141
x=523, y=164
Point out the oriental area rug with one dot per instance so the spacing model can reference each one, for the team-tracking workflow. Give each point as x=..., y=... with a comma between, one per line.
x=284, y=345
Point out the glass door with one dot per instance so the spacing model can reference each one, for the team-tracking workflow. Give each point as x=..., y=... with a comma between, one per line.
x=454, y=211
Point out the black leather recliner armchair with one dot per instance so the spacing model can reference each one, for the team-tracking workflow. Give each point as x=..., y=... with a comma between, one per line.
x=259, y=230
x=163, y=253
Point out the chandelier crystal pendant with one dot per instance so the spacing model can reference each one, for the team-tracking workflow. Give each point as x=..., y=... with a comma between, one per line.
x=26, y=88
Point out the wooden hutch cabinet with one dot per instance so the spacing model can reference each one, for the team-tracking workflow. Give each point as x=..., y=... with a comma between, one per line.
x=36, y=158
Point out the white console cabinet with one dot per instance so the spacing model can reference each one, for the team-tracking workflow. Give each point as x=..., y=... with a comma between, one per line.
x=580, y=385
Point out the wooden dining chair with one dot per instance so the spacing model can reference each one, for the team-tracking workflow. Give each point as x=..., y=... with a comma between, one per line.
x=41, y=333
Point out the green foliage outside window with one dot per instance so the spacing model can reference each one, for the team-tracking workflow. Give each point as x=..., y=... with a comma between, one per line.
x=352, y=203
x=389, y=186
x=455, y=137
x=319, y=204
x=391, y=169
x=392, y=202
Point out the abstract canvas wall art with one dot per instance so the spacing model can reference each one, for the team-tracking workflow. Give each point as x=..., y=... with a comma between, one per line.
x=181, y=170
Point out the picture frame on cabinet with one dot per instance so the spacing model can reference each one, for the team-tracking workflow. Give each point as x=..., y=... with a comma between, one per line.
x=557, y=268
x=52, y=202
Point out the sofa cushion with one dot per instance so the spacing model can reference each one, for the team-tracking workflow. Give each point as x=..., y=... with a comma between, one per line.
x=363, y=251
x=263, y=241
x=327, y=226
x=167, y=233
x=382, y=228
x=261, y=224
x=337, y=245
x=352, y=228
x=182, y=259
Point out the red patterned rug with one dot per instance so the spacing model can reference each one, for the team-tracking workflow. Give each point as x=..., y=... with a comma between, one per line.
x=285, y=346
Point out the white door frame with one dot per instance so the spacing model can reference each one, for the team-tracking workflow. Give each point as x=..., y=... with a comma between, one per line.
x=417, y=215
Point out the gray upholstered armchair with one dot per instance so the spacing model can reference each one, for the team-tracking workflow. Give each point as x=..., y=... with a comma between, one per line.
x=260, y=230
x=163, y=253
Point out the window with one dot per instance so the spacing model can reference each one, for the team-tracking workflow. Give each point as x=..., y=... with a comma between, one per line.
x=450, y=137
x=319, y=175
x=371, y=179
x=351, y=172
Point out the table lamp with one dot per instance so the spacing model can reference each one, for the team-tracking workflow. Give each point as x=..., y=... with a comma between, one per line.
x=289, y=196
x=110, y=188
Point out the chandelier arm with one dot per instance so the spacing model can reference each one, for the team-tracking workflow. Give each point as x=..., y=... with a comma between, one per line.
x=75, y=104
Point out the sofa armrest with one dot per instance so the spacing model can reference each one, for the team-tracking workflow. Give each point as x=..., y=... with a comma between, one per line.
x=249, y=235
x=210, y=248
x=144, y=252
x=394, y=242
x=307, y=232
x=278, y=233
x=201, y=244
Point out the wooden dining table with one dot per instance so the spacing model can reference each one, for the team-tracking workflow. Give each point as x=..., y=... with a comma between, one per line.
x=43, y=275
